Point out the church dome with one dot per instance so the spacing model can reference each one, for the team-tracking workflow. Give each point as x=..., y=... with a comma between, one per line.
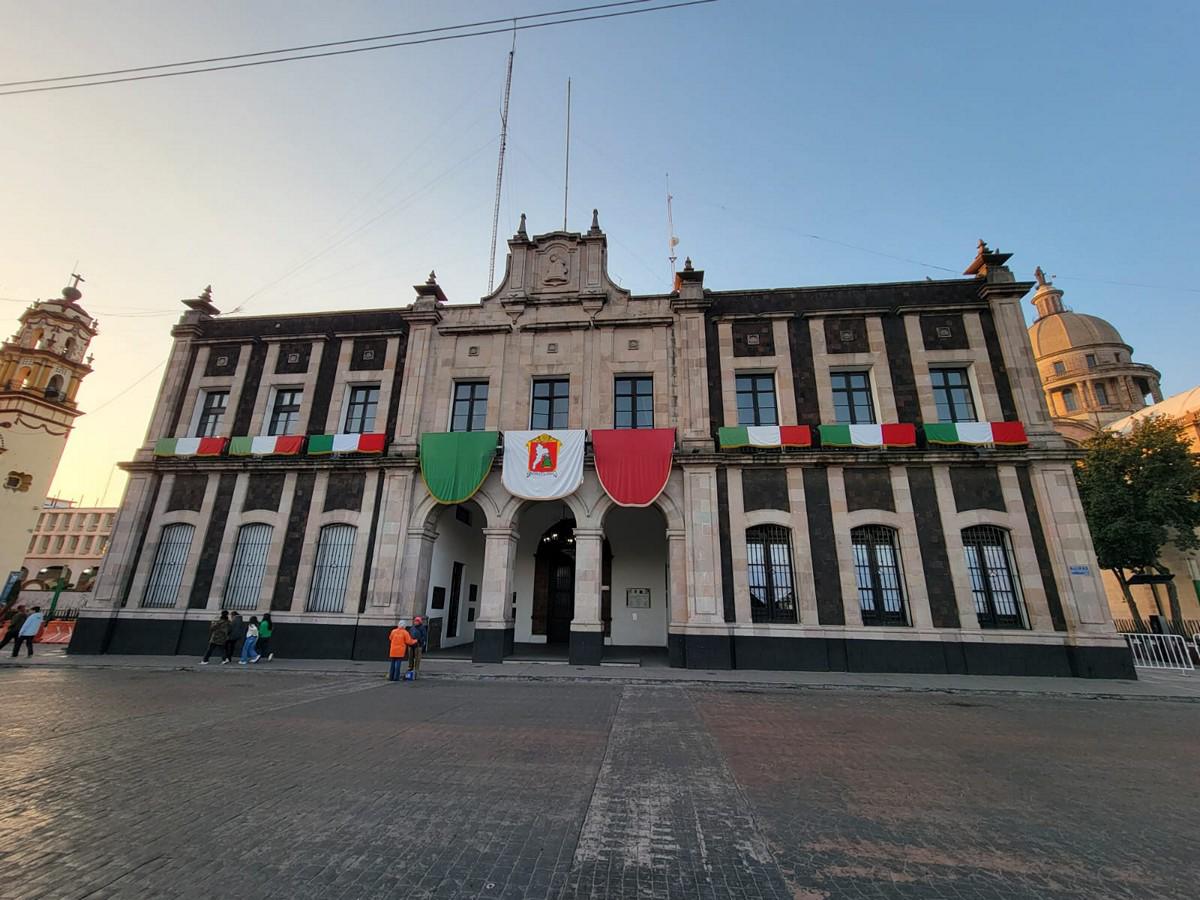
x=1063, y=331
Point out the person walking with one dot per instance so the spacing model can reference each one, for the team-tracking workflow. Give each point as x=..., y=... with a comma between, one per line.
x=218, y=635
x=237, y=631
x=16, y=619
x=420, y=632
x=29, y=630
x=399, y=640
x=265, y=630
x=248, y=653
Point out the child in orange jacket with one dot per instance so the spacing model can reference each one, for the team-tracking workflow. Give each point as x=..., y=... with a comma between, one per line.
x=400, y=640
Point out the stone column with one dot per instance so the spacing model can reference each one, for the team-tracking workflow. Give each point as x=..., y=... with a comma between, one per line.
x=422, y=318
x=691, y=360
x=678, y=596
x=413, y=593
x=494, y=628
x=587, y=629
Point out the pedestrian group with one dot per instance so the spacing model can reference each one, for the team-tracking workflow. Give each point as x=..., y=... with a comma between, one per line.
x=227, y=631
x=23, y=627
x=407, y=642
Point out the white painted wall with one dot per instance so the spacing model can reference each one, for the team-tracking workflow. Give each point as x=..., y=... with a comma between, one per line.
x=639, y=546
x=456, y=542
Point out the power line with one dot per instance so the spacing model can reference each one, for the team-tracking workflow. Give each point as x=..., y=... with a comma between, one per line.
x=121, y=393
x=378, y=37
x=425, y=40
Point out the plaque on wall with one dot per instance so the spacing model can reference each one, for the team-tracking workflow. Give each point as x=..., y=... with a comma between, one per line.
x=637, y=598
x=439, y=598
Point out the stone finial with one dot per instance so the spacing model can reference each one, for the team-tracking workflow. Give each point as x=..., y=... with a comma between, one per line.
x=687, y=264
x=432, y=279
x=206, y=294
x=1041, y=278
x=521, y=233
x=595, y=229
x=203, y=304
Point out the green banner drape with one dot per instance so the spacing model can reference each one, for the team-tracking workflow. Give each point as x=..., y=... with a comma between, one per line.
x=454, y=464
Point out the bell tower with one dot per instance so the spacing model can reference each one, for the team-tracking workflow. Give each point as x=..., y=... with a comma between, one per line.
x=41, y=368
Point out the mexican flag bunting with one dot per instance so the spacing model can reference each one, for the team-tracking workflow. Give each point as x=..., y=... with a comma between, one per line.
x=633, y=464
x=320, y=444
x=543, y=465
x=209, y=446
x=454, y=465
x=765, y=436
x=279, y=445
x=1010, y=434
x=901, y=435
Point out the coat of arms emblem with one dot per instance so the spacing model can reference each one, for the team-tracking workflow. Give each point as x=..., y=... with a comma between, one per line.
x=543, y=455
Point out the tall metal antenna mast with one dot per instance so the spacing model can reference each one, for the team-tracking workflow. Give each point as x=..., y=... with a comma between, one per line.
x=672, y=241
x=500, y=163
x=567, y=166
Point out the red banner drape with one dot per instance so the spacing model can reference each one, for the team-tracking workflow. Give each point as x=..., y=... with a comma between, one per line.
x=633, y=464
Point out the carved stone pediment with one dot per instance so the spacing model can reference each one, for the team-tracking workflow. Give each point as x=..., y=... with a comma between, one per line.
x=560, y=267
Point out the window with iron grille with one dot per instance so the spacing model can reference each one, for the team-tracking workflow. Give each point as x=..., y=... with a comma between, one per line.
x=550, y=398
x=756, y=400
x=952, y=395
x=249, y=566
x=634, y=406
x=470, y=406
x=212, y=411
x=877, y=572
x=852, y=403
x=769, y=567
x=162, y=589
x=331, y=569
x=285, y=411
x=993, y=582
x=361, y=407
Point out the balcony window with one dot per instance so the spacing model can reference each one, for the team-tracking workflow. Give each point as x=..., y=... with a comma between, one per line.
x=756, y=400
x=952, y=395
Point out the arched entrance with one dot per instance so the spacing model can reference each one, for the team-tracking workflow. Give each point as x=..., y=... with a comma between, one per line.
x=553, y=605
x=455, y=576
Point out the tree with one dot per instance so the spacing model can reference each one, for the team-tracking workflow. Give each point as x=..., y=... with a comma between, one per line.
x=1140, y=491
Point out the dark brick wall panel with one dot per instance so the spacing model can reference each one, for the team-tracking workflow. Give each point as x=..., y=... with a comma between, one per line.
x=344, y=490
x=846, y=334
x=868, y=487
x=371, y=537
x=181, y=394
x=393, y=412
x=223, y=359
x=827, y=580
x=904, y=381
x=976, y=487
x=726, y=546
x=289, y=561
x=187, y=492
x=264, y=491
x=712, y=362
x=1042, y=551
x=211, y=548
x=999, y=371
x=368, y=355
x=284, y=365
x=249, y=394
x=804, y=373
x=765, y=489
x=934, y=328
x=323, y=389
x=935, y=558
x=753, y=338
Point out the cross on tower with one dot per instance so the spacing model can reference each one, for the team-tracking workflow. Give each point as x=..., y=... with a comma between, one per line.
x=78, y=278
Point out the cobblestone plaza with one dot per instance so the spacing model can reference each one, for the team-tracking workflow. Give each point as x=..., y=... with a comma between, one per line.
x=219, y=783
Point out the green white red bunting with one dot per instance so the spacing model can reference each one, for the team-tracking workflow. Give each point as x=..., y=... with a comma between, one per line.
x=543, y=465
x=211, y=446
x=278, y=445
x=899, y=435
x=765, y=436
x=1010, y=434
x=321, y=444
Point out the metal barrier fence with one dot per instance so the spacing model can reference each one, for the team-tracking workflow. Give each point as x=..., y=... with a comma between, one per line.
x=1160, y=651
x=1185, y=628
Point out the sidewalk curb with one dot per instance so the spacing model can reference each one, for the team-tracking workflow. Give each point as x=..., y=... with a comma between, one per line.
x=376, y=671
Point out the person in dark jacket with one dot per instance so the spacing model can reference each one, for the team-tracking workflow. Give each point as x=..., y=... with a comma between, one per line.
x=237, y=632
x=265, y=630
x=15, y=621
x=420, y=633
x=218, y=636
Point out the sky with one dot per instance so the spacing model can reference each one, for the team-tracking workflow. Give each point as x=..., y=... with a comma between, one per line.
x=807, y=142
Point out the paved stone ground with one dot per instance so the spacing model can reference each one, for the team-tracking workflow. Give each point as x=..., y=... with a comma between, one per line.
x=233, y=782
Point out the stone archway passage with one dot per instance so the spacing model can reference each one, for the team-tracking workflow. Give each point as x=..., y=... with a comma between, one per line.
x=553, y=605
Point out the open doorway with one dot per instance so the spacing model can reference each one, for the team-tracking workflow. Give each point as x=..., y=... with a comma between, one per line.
x=553, y=605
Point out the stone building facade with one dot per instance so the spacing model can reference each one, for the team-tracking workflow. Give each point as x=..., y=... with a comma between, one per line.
x=890, y=545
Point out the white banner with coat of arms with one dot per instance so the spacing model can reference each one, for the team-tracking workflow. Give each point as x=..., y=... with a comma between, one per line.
x=543, y=465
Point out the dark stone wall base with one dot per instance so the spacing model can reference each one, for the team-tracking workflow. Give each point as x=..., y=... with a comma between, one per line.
x=700, y=651
x=89, y=635
x=491, y=645
x=586, y=648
